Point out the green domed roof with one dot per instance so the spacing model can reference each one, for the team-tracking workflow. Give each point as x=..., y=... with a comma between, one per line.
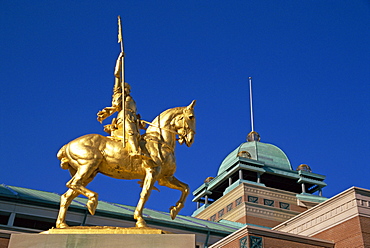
x=269, y=154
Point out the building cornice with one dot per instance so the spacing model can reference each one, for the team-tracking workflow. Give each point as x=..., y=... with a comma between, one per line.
x=338, y=209
x=252, y=230
x=270, y=192
x=267, y=212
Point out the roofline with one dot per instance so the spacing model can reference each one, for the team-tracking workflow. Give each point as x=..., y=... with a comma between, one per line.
x=318, y=206
x=255, y=230
x=122, y=216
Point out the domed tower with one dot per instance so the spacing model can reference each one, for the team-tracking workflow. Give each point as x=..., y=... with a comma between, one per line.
x=256, y=184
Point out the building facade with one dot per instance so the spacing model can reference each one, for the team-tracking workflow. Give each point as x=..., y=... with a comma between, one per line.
x=280, y=207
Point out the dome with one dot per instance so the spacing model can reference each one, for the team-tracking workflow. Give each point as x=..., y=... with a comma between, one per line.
x=269, y=154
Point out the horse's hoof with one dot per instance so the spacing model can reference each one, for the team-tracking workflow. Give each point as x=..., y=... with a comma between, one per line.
x=173, y=212
x=61, y=225
x=91, y=205
x=141, y=223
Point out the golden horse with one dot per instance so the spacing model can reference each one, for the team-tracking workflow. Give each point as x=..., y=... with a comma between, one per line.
x=91, y=154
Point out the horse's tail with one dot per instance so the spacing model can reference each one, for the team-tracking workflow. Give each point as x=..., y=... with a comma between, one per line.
x=62, y=157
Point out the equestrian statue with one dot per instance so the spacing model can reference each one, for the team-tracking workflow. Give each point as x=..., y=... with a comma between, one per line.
x=125, y=153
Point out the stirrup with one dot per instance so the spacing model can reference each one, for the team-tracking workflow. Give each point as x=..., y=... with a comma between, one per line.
x=139, y=155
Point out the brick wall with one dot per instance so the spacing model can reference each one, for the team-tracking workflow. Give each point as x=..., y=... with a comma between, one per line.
x=365, y=228
x=4, y=242
x=268, y=242
x=269, y=222
x=297, y=208
x=279, y=243
x=346, y=234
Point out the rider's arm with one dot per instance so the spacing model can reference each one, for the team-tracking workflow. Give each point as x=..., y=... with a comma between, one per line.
x=118, y=68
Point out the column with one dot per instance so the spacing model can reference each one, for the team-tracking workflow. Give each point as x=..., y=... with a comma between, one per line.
x=258, y=177
x=303, y=188
x=11, y=219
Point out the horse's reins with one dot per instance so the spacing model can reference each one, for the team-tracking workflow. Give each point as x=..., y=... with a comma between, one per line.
x=169, y=130
x=157, y=141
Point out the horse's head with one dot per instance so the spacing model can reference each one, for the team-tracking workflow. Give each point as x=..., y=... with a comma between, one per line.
x=185, y=125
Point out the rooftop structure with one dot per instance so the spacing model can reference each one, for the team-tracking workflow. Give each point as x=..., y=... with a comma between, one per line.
x=269, y=183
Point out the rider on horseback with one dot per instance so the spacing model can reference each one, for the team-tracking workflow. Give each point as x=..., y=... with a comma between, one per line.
x=129, y=116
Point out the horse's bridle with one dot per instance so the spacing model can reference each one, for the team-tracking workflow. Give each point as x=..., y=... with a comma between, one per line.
x=186, y=128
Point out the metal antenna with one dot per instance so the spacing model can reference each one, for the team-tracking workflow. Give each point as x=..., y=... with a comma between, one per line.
x=251, y=102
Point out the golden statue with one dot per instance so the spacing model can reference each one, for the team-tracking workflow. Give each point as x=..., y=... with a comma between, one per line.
x=90, y=154
x=149, y=157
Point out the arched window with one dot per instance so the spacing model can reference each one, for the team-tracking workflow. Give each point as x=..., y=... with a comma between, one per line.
x=244, y=154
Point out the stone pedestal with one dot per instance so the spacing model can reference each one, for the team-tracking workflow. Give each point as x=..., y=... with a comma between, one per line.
x=60, y=238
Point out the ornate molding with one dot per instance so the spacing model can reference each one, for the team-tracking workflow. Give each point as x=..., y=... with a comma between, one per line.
x=270, y=193
x=266, y=213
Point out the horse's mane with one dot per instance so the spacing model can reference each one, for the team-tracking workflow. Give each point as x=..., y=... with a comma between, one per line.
x=172, y=109
x=166, y=112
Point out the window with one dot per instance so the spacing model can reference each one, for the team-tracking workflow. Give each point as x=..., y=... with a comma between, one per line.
x=268, y=202
x=238, y=201
x=213, y=218
x=4, y=217
x=34, y=222
x=244, y=154
x=220, y=213
x=255, y=242
x=229, y=207
x=284, y=205
x=252, y=199
x=244, y=242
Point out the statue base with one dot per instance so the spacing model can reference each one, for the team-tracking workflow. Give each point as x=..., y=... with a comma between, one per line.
x=87, y=237
x=105, y=230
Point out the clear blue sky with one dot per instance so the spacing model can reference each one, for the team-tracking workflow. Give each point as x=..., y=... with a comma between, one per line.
x=310, y=63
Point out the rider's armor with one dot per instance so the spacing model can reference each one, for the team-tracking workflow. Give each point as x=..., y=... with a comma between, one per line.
x=129, y=116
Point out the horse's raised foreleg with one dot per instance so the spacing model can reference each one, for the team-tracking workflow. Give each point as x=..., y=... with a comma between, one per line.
x=84, y=175
x=150, y=179
x=173, y=183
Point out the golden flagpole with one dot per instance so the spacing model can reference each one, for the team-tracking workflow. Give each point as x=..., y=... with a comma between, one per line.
x=120, y=40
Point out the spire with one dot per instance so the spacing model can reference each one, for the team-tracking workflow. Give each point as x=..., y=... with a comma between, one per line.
x=252, y=136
